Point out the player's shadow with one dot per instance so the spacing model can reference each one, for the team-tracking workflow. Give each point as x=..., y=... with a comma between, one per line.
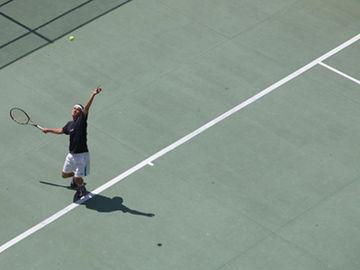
x=101, y=203
x=55, y=185
x=104, y=204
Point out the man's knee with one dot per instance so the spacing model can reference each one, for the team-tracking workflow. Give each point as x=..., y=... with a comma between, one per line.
x=67, y=175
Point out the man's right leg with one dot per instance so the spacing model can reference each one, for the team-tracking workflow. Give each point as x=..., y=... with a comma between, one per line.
x=68, y=169
x=67, y=175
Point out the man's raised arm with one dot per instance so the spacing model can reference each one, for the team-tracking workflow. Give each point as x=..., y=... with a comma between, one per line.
x=93, y=94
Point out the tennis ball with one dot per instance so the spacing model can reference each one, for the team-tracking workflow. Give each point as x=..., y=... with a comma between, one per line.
x=71, y=38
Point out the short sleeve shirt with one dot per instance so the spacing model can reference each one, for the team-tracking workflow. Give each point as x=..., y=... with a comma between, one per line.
x=77, y=130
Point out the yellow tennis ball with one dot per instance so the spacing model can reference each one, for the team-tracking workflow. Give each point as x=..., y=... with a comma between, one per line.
x=71, y=38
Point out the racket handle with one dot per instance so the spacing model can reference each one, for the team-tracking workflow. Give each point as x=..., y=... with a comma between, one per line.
x=39, y=127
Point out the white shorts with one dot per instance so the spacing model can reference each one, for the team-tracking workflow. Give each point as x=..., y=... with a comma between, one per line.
x=79, y=164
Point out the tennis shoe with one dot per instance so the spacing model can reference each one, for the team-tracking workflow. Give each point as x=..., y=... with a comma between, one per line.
x=81, y=192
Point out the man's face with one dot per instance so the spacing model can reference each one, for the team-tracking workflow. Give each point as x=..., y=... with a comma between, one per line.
x=75, y=112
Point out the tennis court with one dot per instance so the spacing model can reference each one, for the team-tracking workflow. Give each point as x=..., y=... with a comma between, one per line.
x=226, y=136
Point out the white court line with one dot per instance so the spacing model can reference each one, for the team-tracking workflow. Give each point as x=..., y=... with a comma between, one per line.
x=340, y=73
x=176, y=144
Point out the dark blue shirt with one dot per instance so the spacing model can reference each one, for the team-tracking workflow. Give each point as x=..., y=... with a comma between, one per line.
x=77, y=130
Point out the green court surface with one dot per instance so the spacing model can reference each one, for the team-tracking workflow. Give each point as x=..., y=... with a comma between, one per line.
x=274, y=185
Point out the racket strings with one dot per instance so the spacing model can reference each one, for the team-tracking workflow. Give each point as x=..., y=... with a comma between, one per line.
x=19, y=116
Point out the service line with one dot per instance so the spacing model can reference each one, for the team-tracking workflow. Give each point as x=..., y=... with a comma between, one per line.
x=340, y=73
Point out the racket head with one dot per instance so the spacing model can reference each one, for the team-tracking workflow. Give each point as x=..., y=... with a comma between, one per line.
x=19, y=116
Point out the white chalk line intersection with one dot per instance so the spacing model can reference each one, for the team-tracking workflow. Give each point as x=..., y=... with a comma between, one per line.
x=340, y=73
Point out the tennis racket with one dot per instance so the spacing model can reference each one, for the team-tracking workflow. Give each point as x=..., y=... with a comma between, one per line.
x=22, y=118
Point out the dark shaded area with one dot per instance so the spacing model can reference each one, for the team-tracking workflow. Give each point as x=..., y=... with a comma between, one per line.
x=4, y=2
x=55, y=185
x=52, y=30
x=23, y=26
x=104, y=204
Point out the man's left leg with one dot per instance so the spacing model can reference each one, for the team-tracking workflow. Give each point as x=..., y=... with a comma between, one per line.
x=80, y=187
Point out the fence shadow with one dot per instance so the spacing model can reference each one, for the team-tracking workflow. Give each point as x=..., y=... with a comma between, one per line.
x=35, y=38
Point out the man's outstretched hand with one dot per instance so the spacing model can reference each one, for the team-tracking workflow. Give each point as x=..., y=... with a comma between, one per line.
x=97, y=90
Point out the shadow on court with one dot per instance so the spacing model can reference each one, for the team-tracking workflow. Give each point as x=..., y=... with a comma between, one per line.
x=27, y=27
x=55, y=185
x=104, y=204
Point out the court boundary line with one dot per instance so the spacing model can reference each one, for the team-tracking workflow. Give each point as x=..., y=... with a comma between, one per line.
x=177, y=143
x=340, y=73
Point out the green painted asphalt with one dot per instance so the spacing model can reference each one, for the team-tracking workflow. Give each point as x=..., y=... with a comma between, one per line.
x=274, y=186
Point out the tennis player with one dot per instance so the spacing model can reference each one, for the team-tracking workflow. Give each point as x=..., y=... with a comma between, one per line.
x=77, y=161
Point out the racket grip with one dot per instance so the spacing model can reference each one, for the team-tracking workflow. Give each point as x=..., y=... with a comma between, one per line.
x=39, y=127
